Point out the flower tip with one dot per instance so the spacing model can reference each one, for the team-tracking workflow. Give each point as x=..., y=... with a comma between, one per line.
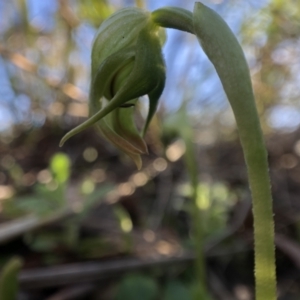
x=142, y=147
x=139, y=163
x=64, y=139
x=137, y=160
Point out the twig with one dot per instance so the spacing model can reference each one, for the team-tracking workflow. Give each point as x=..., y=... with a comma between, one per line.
x=15, y=228
x=73, y=292
x=91, y=271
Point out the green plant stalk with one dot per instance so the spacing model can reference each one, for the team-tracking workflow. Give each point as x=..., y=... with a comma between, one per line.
x=196, y=213
x=226, y=54
x=179, y=124
x=224, y=51
x=9, y=280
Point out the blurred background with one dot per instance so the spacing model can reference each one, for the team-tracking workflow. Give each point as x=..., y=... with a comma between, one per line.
x=81, y=221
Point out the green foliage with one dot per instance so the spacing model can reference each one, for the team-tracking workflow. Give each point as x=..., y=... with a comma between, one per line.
x=199, y=291
x=95, y=11
x=277, y=36
x=278, y=23
x=125, y=224
x=179, y=124
x=48, y=197
x=68, y=236
x=175, y=290
x=136, y=287
x=60, y=167
x=9, y=279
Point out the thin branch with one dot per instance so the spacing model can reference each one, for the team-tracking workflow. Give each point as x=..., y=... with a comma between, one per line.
x=91, y=271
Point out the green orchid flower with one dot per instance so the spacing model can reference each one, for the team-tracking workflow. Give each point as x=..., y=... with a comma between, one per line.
x=127, y=63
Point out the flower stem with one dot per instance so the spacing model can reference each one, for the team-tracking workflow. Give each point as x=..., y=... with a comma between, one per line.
x=226, y=54
x=224, y=51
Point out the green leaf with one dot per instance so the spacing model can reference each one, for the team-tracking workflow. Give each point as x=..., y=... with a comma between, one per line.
x=60, y=167
x=9, y=279
x=175, y=290
x=137, y=287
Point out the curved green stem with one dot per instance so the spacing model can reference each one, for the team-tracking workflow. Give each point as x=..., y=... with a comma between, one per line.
x=224, y=51
x=174, y=17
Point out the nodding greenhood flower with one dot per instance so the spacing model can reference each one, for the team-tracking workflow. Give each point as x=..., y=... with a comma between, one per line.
x=127, y=63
